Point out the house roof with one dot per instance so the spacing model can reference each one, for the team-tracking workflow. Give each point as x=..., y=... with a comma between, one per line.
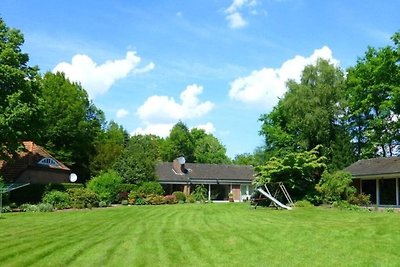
x=205, y=173
x=375, y=167
x=29, y=158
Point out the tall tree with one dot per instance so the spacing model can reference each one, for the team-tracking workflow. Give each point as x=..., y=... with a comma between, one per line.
x=137, y=162
x=71, y=123
x=373, y=97
x=208, y=148
x=309, y=114
x=18, y=92
x=180, y=142
x=109, y=145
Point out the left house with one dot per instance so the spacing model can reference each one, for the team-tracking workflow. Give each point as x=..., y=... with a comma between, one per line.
x=34, y=165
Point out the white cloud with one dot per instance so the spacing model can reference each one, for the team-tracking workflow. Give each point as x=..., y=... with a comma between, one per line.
x=236, y=20
x=121, y=113
x=263, y=87
x=164, y=108
x=98, y=79
x=233, y=12
x=160, y=129
x=159, y=114
x=208, y=127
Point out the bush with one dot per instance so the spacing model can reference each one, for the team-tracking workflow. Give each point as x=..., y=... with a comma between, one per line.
x=154, y=199
x=106, y=185
x=170, y=199
x=335, y=187
x=303, y=204
x=103, y=204
x=360, y=199
x=180, y=196
x=82, y=198
x=58, y=199
x=200, y=193
x=342, y=204
x=148, y=188
x=45, y=207
x=190, y=199
x=29, y=208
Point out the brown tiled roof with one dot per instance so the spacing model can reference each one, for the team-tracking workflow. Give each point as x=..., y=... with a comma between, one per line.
x=375, y=167
x=28, y=158
x=213, y=173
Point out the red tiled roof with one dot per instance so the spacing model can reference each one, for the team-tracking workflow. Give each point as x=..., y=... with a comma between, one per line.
x=28, y=158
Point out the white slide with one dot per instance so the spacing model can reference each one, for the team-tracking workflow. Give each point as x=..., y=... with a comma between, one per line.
x=273, y=199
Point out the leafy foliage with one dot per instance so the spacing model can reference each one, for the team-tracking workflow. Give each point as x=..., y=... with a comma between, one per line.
x=109, y=145
x=70, y=122
x=208, y=148
x=58, y=199
x=18, y=92
x=310, y=114
x=300, y=171
x=373, y=100
x=180, y=142
x=106, y=185
x=137, y=162
x=200, y=193
x=335, y=186
x=82, y=198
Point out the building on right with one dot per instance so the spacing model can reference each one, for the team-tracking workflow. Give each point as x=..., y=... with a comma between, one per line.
x=379, y=178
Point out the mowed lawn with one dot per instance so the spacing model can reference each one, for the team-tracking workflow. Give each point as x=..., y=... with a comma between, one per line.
x=226, y=234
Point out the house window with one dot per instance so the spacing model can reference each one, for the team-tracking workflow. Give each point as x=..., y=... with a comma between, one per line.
x=387, y=191
x=49, y=162
x=369, y=188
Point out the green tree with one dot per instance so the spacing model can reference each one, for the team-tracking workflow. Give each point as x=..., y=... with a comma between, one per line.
x=373, y=100
x=310, y=114
x=108, y=147
x=335, y=186
x=106, y=185
x=137, y=162
x=180, y=142
x=18, y=92
x=244, y=159
x=208, y=148
x=70, y=122
x=299, y=171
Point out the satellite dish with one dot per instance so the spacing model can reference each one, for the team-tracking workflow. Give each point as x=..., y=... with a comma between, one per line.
x=73, y=177
x=181, y=160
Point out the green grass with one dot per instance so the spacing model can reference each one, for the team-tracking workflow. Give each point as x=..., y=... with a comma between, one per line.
x=200, y=235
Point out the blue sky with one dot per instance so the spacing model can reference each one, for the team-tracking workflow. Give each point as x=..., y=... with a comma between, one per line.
x=216, y=65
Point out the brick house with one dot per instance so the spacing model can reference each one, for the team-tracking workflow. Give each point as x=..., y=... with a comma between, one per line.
x=34, y=165
x=379, y=178
x=219, y=180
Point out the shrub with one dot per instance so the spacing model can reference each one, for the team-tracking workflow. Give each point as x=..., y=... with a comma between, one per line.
x=360, y=199
x=45, y=207
x=106, y=185
x=148, y=188
x=200, y=193
x=170, y=199
x=58, y=199
x=140, y=201
x=82, y=198
x=342, y=204
x=303, y=204
x=154, y=199
x=29, y=208
x=103, y=204
x=335, y=187
x=190, y=199
x=123, y=191
x=180, y=196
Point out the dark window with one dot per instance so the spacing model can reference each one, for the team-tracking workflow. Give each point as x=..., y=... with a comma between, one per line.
x=369, y=188
x=387, y=191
